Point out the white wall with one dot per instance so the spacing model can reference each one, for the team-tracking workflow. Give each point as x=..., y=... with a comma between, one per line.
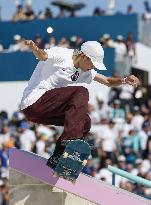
x=11, y=94
x=143, y=58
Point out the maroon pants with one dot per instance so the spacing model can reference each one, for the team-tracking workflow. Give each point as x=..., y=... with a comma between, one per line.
x=66, y=107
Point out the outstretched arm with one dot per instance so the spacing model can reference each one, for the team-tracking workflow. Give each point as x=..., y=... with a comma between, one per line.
x=39, y=53
x=116, y=81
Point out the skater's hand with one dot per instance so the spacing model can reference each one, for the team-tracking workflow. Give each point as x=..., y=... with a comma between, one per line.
x=39, y=53
x=31, y=44
x=132, y=80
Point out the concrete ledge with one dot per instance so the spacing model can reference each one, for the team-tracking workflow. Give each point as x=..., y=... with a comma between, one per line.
x=86, y=187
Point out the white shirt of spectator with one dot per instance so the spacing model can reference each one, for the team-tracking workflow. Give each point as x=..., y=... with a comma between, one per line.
x=147, y=15
x=120, y=51
x=109, y=138
x=126, y=92
x=126, y=128
x=55, y=72
x=94, y=117
x=143, y=137
x=49, y=133
x=40, y=147
x=137, y=121
x=26, y=140
x=4, y=138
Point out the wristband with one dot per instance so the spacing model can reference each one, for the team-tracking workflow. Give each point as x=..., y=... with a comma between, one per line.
x=123, y=80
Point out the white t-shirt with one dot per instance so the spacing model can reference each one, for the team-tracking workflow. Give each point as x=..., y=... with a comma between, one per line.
x=120, y=51
x=57, y=71
x=109, y=140
x=137, y=121
x=4, y=138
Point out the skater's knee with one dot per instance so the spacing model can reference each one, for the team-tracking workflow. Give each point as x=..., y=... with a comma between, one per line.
x=83, y=92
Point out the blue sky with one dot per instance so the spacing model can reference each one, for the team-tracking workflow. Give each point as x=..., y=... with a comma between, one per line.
x=8, y=6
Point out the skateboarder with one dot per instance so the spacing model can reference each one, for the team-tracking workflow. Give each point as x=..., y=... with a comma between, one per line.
x=50, y=96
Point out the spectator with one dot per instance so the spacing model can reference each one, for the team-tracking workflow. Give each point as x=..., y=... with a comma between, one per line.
x=140, y=96
x=143, y=140
x=106, y=41
x=129, y=186
x=27, y=137
x=127, y=126
x=29, y=13
x=5, y=134
x=76, y=42
x=18, y=45
x=89, y=168
x=19, y=15
x=147, y=124
x=147, y=152
x=40, y=145
x=95, y=119
x=73, y=41
x=122, y=162
x=46, y=14
x=147, y=13
x=103, y=109
x=130, y=9
x=109, y=141
x=126, y=97
x=120, y=56
x=132, y=140
x=131, y=48
x=104, y=172
x=131, y=169
x=117, y=114
x=138, y=119
x=39, y=41
x=98, y=12
x=51, y=43
x=111, y=7
x=63, y=43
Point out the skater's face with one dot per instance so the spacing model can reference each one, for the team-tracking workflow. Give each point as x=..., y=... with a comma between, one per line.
x=85, y=63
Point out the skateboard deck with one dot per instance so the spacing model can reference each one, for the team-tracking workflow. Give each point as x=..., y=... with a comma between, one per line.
x=73, y=160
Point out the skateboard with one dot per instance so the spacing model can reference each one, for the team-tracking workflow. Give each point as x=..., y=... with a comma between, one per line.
x=74, y=158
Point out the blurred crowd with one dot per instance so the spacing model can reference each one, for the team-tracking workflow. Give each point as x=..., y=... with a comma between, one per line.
x=29, y=14
x=121, y=133
x=25, y=13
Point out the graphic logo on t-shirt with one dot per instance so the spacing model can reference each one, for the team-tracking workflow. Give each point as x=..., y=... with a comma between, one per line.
x=75, y=76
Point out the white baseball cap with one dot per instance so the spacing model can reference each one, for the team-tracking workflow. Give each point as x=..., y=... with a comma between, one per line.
x=121, y=158
x=95, y=52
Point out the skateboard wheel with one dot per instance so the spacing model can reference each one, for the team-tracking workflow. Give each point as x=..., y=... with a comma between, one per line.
x=65, y=155
x=55, y=174
x=84, y=162
x=74, y=182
